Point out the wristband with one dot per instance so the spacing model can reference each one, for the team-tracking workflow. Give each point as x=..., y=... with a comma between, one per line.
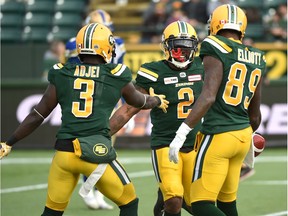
x=183, y=130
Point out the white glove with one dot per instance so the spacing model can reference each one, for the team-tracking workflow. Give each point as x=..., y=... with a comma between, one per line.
x=4, y=150
x=178, y=142
x=249, y=159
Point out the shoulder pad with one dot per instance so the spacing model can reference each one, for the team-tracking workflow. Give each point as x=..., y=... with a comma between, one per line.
x=220, y=45
x=118, y=70
x=58, y=66
x=148, y=74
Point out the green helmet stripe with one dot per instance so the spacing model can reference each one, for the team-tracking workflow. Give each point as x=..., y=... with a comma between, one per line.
x=232, y=13
x=182, y=27
x=88, y=35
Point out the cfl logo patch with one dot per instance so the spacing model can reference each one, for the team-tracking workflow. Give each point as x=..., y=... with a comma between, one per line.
x=100, y=149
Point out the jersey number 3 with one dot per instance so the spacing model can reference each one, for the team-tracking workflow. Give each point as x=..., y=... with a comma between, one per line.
x=86, y=95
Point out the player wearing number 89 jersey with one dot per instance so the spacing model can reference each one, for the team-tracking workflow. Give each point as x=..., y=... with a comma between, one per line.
x=243, y=68
x=230, y=104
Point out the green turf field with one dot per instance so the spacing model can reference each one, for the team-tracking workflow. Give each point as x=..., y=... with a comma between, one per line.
x=24, y=174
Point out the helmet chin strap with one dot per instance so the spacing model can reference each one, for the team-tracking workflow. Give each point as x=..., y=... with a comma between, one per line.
x=180, y=64
x=106, y=59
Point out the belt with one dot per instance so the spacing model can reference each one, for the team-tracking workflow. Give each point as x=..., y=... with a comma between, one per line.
x=64, y=145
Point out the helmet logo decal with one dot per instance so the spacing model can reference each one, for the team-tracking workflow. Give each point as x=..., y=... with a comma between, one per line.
x=111, y=40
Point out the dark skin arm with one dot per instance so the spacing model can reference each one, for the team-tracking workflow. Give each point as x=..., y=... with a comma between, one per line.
x=123, y=115
x=254, y=108
x=137, y=99
x=213, y=77
x=33, y=120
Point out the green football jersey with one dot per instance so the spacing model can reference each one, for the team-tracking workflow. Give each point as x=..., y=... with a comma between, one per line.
x=87, y=95
x=243, y=67
x=181, y=88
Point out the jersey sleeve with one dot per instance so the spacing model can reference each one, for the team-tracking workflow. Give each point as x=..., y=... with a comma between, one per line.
x=122, y=73
x=146, y=77
x=53, y=72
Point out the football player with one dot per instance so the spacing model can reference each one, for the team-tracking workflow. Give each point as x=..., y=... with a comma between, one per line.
x=87, y=94
x=230, y=101
x=95, y=200
x=180, y=78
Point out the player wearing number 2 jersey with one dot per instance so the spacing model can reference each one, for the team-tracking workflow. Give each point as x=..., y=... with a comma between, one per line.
x=87, y=93
x=230, y=103
x=180, y=78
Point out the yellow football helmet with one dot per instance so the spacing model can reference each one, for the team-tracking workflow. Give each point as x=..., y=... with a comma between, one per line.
x=100, y=16
x=179, y=43
x=96, y=39
x=227, y=17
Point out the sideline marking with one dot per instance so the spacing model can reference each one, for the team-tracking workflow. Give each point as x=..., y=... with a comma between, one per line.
x=146, y=173
x=124, y=160
x=283, y=213
x=48, y=160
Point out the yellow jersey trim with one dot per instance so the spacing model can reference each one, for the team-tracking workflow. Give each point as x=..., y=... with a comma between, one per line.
x=116, y=69
x=151, y=73
x=222, y=44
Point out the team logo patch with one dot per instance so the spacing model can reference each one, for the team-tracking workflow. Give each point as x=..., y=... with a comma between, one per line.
x=182, y=74
x=170, y=80
x=193, y=78
x=100, y=149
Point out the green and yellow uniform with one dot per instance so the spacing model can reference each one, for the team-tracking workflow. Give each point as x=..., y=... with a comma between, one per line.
x=226, y=133
x=87, y=95
x=182, y=88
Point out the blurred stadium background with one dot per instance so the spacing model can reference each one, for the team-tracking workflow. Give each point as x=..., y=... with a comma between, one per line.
x=33, y=32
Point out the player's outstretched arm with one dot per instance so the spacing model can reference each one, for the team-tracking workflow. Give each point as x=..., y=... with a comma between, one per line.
x=121, y=116
x=32, y=121
x=143, y=101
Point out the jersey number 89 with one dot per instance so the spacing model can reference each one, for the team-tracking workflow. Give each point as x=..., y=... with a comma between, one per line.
x=234, y=88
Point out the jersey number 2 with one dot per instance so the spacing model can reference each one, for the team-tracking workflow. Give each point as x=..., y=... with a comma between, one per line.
x=86, y=95
x=182, y=113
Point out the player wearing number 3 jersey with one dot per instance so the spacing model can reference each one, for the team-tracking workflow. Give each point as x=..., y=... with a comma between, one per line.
x=87, y=93
x=230, y=104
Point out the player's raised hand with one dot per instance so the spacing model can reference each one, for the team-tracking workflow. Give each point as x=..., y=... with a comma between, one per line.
x=164, y=103
x=4, y=149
